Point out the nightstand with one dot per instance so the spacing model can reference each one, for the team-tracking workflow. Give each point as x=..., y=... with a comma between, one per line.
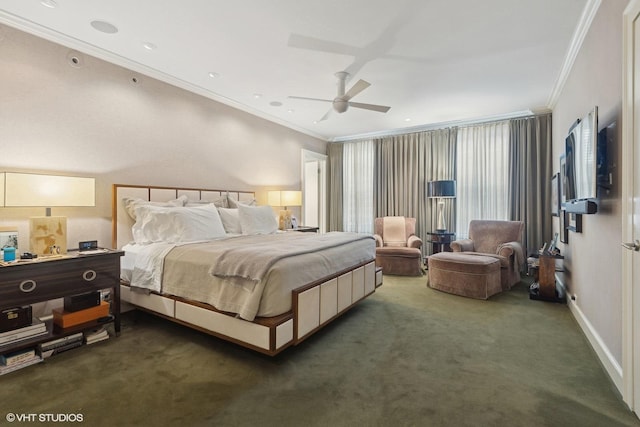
x=44, y=279
x=305, y=229
x=440, y=241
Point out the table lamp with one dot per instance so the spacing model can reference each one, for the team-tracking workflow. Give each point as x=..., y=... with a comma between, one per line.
x=47, y=234
x=444, y=189
x=284, y=199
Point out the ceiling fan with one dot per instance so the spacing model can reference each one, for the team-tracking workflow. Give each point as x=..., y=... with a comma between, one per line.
x=342, y=102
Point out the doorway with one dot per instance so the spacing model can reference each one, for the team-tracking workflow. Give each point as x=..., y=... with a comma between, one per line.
x=314, y=186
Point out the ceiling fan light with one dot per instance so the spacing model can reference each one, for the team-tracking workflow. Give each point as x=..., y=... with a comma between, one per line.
x=340, y=105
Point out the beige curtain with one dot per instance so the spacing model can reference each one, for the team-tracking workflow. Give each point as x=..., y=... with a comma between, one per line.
x=530, y=173
x=404, y=165
x=334, y=175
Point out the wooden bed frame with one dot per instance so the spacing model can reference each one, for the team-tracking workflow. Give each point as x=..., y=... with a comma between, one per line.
x=313, y=304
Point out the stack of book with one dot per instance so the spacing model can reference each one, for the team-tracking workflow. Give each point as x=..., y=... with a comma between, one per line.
x=96, y=335
x=36, y=328
x=59, y=345
x=13, y=361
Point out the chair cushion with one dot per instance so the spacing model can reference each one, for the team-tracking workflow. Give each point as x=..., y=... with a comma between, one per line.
x=393, y=231
x=395, y=251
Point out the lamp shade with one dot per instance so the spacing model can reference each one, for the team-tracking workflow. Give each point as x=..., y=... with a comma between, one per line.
x=441, y=189
x=34, y=190
x=284, y=198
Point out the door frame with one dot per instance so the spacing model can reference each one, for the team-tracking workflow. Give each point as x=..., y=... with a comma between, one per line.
x=630, y=293
x=312, y=156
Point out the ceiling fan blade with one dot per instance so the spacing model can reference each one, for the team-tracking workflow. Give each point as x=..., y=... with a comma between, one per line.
x=326, y=115
x=310, y=99
x=372, y=107
x=356, y=89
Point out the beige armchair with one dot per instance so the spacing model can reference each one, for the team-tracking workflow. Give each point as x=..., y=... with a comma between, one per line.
x=497, y=239
x=397, y=247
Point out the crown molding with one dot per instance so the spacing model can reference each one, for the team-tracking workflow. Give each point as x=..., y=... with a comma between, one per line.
x=588, y=14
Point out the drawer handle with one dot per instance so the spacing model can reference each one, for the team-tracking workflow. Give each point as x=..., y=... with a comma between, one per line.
x=89, y=275
x=27, y=285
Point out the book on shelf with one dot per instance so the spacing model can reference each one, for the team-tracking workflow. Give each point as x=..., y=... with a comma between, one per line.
x=62, y=348
x=61, y=342
x=10, y=359
x=23, y=364
x=34, y=330
x=96, y=335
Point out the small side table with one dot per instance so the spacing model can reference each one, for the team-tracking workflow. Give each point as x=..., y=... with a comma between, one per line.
x=544, y=281
x=440, y=241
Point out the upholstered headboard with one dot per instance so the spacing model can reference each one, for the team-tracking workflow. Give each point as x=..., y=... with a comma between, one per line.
x=121, y=222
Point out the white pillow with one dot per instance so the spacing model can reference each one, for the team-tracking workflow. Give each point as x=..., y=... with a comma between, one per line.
x=257, y=219
x=130, y=204
x=233, y=203
x=178, y=224
x=220, y=202
x=230, y=220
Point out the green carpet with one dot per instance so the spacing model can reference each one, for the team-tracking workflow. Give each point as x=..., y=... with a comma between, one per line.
x=406, y=356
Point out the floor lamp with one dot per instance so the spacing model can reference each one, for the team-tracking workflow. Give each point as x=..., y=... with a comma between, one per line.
x=444, y=189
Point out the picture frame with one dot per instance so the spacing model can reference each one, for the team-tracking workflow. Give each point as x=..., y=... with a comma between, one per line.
x=563, y=191
x=575, y=223
x=9, y=237
x=555, y=195
x=564, y=231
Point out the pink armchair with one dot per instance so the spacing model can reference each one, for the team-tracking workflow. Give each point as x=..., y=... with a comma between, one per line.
x=498, y=239
x=397, y=247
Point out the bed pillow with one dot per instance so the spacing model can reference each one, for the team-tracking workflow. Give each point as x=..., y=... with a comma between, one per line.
x=131, y=203
x=257, y=219
x=177, y=224
x=233, y=203
x=220, y=202
x=230, y=220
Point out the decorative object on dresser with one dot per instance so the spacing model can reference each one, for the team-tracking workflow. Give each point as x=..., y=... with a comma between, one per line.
x=443, y=189
x=48, y=278
x=8, y=237
x=284, y=199
x=289, y=294
x=48, y=234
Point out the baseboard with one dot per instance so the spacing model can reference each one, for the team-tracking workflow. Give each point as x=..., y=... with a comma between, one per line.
x=609, y=363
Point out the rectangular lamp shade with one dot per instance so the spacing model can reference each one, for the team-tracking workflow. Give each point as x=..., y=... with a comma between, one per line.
x=284, y=198
x=441, y=189
x=34, y=190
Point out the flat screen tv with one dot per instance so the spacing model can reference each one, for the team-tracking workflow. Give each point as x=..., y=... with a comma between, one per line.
x=581, y=148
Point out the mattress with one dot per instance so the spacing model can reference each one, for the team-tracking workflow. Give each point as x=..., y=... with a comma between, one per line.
x=192, y=270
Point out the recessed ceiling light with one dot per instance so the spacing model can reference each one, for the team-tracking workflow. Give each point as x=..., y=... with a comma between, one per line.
x=49, y=3
x=257, y=95
x=291, y=110
x=104, y=27
x=75, y=59
x=407, y=119
x=214, y=75
x=149, y=46
x=275, y=104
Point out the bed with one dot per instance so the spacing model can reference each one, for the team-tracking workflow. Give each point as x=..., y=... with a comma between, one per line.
x=209, y=259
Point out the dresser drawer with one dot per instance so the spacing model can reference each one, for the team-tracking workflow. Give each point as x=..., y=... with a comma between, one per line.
x=42, y=281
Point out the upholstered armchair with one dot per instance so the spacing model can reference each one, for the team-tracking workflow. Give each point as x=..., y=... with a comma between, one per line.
x=498, y=239
x=397, y=247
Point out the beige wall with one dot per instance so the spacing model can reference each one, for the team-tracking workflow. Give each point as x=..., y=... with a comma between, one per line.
x=93, y=121
x=593, y=257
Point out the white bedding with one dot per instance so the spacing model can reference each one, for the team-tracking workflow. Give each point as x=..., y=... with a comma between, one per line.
x=155, y=267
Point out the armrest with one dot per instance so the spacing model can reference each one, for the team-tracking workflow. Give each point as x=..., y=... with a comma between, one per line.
x=462, y=245
x=511, y=248
x=414, y=242
x=378, y=239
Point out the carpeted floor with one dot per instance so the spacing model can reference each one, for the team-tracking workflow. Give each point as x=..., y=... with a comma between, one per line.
x=406, y=356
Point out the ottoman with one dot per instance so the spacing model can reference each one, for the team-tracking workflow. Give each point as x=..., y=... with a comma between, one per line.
x=474, y=276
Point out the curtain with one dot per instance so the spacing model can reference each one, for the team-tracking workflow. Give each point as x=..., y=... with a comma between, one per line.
x=531, y=167
x=334, y=175
x=404, y=165
x=482, y=163
x=358, y=183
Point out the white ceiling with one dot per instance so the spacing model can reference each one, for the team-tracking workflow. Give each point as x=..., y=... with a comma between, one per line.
x=432, y=61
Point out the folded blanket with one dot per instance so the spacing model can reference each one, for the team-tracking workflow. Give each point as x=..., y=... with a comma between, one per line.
x=247, y=264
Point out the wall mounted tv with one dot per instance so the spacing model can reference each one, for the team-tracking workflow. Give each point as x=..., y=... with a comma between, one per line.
x=581, y=148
